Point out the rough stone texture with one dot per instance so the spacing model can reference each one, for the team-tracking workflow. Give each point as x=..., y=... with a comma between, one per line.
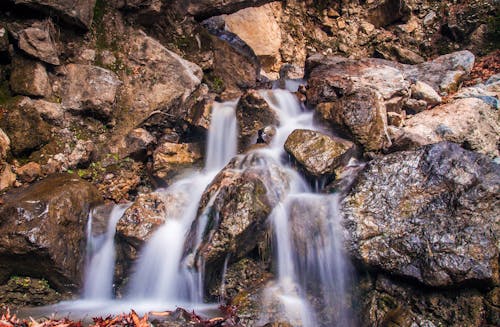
x=253, y=114
x=25, y=127
x=37, y=41
x=423, y=91
x=471, y=122
x=4, y=40
x=78, y=13
x=258, y=27
x=29, y=172
x=29, y=78
x=7, y=177
x=444, y=73
x=43, y=228
x=4, y=145
x=137, y=142
x=171, y=157
x=26, y=291
x=208, y=8
x=236, y=205
x=318, y=153
x=392, y=303
x=49, y=111
x=384, y=12
x=430, y=214
x=88, y=89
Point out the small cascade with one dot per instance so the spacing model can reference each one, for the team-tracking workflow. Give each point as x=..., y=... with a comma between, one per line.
x=98, y=283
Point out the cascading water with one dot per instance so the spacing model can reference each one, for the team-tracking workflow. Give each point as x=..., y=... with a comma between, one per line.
x=101, y=263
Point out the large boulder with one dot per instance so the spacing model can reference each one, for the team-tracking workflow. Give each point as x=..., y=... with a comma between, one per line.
x=78, y=13
x=253, y=114
x=88, y=89
x=38, y=42
x=319, y=154
x=43, y=230
x=235, y=207
x=25, y=127
x=471, y=122
x=430, y=215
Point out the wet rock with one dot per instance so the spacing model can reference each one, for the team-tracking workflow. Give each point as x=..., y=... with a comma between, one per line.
x=7, y=177
x=29, y=172
x=253, y=114
x=4, y=145
x=235, y=207
x=169, y=158
x=208, y=8
x=201, y=109
x=29, y=78
x=423, y=91
x=79, y=14
x=362, y=114
x=89, y=90
x=384, y=12
x=25, y=127
x=445, y=73
x=428, y=214
x=318, y=153
x=43, y=228
x=38, y=42
x=468, y=121
x=392, y=303
x=258, y=27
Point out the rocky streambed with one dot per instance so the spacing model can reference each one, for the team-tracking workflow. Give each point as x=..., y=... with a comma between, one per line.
x=383, y=156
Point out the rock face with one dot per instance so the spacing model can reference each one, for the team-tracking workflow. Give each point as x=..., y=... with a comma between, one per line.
x=79, y=14
x=37, y=42
x=171, y=157
x=430, y=214
x=30, y=78
x=318, y=153
x=253, y=114
x=43, y=228
x=384, y=12
x=25, y=127
x=207, y=8
x=89, y=89
x=236, y=205
x=471, y=122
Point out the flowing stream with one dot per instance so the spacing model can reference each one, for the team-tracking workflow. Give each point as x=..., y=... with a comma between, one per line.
x=307, y=240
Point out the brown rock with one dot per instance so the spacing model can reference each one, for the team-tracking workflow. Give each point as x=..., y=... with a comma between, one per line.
x=29, y=172
x=89, y=89
x=318, y=153
x=29, y=78
x=209, y=8
x=79, y=14
x=43, y=228
x=7, y=177
x=4, y=145
x=384, y=12
x=38, y=42
x=169, y=158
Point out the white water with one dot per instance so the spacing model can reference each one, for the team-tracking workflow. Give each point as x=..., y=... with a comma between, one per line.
x=101, y=266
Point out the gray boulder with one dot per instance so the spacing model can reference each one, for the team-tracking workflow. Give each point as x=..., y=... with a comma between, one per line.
x=430, y=214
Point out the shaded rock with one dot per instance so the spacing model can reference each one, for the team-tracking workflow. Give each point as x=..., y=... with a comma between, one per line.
x=258, y=27
x=29, y=172
x=392, y=303
x=89, y=89
x=429, y=214
x=469, y=121
x=423, y=91
x=318, y=153
x=4, y=40
x=384, y=12
x=29, y=78
x=445, y=73
x=397, y=53
x=79, y=14
x=169, y=158
x=208, y=8
x=253, y=114
x=49, y=111
x=235, y=207
x=37, y=41
x=7, y=177
x=25, y=127
x=137, y=142
x=43, y=228
x=147, y=12
x=4, y=145
x=200, y=108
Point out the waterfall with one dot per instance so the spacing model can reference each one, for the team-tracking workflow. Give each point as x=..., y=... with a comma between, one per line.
x=98, y=283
